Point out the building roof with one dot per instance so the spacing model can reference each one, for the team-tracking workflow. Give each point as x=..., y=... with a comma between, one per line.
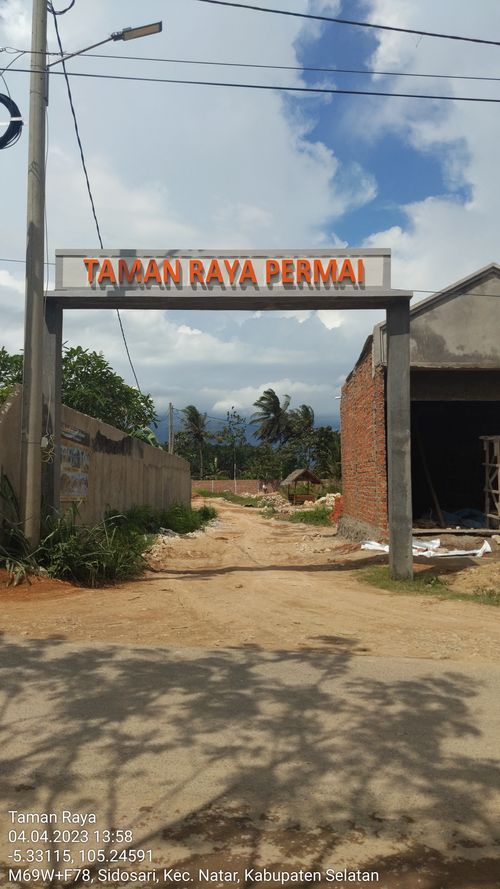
x=463, y=287
x=301, y=475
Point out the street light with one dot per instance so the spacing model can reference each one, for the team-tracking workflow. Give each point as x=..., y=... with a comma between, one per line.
x=143, y=31
x=31, y=422
x=124, y=34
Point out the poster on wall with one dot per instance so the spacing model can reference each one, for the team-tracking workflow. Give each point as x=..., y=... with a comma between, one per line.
x=75, y=463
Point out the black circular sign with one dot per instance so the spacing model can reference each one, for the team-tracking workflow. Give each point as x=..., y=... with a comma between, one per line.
x=15, y=125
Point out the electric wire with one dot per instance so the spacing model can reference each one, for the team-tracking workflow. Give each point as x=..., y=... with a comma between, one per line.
x=413, y=289
x=50, y=7
x=301, y=68
x=351, y=22
x=87, y=181
x=21, y=52
x=270, y=87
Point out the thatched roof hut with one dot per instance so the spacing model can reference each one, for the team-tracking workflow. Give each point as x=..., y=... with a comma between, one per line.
x=299, y=475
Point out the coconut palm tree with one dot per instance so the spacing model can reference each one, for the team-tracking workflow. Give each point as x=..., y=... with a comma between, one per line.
x=271, y=417
x=302, y=420
x=302, y=434
x=195, y=427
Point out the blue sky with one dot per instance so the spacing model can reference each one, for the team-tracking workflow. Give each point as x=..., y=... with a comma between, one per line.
x=193, y=167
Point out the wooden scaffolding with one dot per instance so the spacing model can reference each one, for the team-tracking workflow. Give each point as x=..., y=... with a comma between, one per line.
x=491, y=464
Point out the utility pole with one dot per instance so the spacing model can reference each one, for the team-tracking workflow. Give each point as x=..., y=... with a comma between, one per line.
x=32, y=411
x=170, y=428
x=31, y=423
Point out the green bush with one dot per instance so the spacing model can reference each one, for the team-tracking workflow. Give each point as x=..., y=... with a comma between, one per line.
x=110, y=551
x=91, y=556
x=148, y=520
x=320, y=515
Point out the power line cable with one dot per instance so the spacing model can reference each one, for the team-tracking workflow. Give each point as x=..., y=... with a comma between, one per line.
x=302, y=68
x=22, y=261
x=413, y=289
x=61, y=11
x=84, y=165
x=21, y=52
x=266, y=86
x=351, y=22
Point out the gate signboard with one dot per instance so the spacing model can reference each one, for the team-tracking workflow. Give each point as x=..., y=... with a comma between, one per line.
x=235, y=279
x=223, y=279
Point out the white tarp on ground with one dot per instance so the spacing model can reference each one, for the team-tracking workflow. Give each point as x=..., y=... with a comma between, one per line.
x=430, y=548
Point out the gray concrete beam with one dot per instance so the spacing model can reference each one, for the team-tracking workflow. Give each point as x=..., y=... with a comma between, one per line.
x=399, y=440
x=51, y=395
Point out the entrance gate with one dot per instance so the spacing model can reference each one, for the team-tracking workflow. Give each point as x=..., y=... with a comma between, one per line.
x=229, y=280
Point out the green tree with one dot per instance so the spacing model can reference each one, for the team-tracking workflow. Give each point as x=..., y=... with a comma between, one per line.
x=195, y=427
x=301, y=437
x=232, y=437
x=11, y=372
x=147, y=435
x=327, y=455
x=184, y=446
x=91, y=386
x=271, y=418
x=265, y=463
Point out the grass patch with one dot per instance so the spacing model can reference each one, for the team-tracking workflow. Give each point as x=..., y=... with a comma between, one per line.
x=424, y=585
x=110, y=551
x=71, y=551
x=91, y=556
x=148, y=520
x=318, y=516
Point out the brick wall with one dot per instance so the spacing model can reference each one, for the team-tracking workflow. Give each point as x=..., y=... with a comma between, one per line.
x=243, y=485
x=364, y=473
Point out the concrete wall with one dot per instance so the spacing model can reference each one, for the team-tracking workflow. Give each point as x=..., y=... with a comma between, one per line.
x=243, y=485
x=10, y=437
x=101, y=466
x=364, y=477
x=457, y=328
x=122, y=471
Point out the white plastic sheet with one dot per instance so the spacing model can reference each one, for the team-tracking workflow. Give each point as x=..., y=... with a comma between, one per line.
x=430, y=549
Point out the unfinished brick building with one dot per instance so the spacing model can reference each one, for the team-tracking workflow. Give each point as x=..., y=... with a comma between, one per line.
x=455, y=399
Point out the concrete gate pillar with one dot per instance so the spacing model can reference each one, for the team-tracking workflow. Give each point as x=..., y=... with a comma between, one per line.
x=399, y=439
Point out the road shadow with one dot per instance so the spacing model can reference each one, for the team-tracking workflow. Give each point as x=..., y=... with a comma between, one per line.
x=246, y=755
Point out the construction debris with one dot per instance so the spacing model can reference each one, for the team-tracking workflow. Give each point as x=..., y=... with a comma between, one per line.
x=430, y=549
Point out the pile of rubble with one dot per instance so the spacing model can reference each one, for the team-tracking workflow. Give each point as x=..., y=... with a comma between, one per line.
x=328, y=500
x=276, y=502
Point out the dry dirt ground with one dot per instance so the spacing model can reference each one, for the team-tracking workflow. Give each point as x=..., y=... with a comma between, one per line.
x=253, y=581
x=250, y=702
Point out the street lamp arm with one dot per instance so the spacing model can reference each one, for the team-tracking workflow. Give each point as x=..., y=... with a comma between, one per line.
x=79, y=52
x=124, y=34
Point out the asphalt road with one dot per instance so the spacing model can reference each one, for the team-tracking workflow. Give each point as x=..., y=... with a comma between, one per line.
x=244, y=757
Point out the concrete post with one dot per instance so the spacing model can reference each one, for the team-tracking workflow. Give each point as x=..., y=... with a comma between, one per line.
x=51, y=386
x=31, y=423
x=399, y=440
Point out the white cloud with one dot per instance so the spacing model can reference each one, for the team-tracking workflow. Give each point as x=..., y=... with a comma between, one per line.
x=193, y=167
x=16, y=23
x=445, y=236
x=8, y=280
x=244, y=398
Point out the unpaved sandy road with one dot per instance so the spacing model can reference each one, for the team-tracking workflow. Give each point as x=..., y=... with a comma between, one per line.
x=251, y=704
x=255, y=581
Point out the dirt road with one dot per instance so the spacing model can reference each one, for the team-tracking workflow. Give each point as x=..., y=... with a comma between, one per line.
x=250, y=706
x=255, y=581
